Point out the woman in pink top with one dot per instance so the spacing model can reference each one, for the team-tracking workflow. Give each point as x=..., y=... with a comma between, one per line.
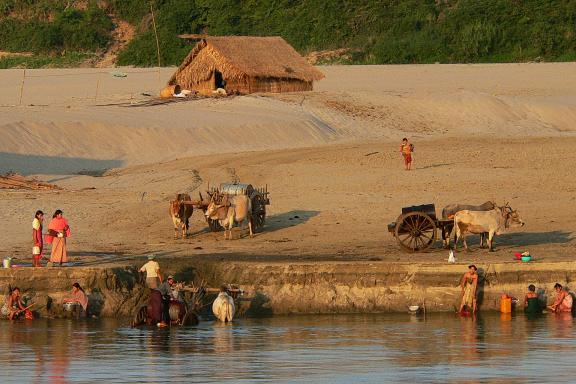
x=563, y=302
x=58, y=231
x=78, y=296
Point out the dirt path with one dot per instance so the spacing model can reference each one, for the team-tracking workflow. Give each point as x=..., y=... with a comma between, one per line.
x=122, y=35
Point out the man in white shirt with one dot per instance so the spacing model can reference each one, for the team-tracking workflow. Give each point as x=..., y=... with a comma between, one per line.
x=152, y=269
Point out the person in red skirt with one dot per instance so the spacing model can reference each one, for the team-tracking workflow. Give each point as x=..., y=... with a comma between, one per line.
x=37, y=239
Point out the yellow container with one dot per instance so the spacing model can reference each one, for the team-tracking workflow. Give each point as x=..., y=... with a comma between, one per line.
x=506, y=304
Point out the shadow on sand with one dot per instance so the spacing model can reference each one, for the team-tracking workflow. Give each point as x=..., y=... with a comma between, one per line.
x=53, y=165
x=534, y=238
x=112, y=257
x=288, y=219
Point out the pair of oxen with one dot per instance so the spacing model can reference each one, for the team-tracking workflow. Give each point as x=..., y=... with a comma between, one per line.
x=226, y=209
x=486, y=220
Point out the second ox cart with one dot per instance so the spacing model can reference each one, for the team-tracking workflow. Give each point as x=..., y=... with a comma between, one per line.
x=259, y=197
x=417, y=227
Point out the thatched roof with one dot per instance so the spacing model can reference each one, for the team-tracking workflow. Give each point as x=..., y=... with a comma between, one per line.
x=241, y=56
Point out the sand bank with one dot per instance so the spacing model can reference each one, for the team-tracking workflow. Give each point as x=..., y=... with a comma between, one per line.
x=329, y=157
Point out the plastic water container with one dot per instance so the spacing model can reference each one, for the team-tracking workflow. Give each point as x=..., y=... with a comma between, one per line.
x=7, y=263
x=506, y=304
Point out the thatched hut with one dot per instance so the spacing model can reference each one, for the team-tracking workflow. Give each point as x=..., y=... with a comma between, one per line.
x=245, y=64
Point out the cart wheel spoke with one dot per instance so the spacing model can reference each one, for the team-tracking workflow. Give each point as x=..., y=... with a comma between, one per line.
x=427, y=235
x=426, y=226
x=409, y=243
x=419, y=223
x=404, y=227
x=405, y=236
x=415, y=243
x=419, y=242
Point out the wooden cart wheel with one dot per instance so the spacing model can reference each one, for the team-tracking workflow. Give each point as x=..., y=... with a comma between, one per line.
x=214, y=225
x=258, y=213
x=415, y=231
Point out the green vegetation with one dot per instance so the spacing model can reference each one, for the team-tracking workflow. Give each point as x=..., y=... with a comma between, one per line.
x=375, y=31
x=173, y=17
x=394, y=31
x=48, y=27
x=69, y=60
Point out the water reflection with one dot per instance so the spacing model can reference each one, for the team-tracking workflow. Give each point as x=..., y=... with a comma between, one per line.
x=371, y=348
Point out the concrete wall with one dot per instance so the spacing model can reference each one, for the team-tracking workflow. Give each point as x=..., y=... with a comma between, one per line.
x=283, y=288
x=381, y=287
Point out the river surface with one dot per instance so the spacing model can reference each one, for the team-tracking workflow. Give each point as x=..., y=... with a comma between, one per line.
x=330, y=349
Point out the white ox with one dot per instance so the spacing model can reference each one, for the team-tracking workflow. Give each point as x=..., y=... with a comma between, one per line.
x=223, y=307
x=493, y=222
x=229, y=210
x=449, y=211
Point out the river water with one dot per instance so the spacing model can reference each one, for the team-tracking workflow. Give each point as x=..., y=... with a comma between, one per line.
x=330, y=349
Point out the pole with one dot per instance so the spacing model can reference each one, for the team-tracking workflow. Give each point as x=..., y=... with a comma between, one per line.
x=424, y=305
x=22, y=86
x=157, y=42
x=97, y=86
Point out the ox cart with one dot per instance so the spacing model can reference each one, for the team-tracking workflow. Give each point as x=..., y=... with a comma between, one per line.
x=258, y=196
x=416, y=228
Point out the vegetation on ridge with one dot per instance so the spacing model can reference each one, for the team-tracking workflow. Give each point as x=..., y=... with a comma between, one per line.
x=374, y=31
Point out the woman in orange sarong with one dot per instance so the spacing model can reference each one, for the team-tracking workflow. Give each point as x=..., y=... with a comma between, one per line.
x=58, y=231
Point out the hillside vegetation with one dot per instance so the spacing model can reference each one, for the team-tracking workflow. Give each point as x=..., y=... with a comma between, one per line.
x=393, y=31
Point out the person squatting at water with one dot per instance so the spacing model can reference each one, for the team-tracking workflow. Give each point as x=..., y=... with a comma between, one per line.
x=58, y=231
x=13, y=306
x=563, y=301
x=532, y=302
x=469, y=283
x=38, y=241
x=152, y=270
x=78, y=299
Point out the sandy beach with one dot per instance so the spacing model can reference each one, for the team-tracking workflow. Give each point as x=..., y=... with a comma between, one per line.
x=330, y=159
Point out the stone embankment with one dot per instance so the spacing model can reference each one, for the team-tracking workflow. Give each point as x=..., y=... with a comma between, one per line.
x=286, y=288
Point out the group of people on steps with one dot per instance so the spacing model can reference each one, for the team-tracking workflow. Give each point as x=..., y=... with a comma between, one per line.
x=532, y=302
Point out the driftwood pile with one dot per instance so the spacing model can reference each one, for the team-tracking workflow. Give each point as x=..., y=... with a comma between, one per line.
x=16, y=181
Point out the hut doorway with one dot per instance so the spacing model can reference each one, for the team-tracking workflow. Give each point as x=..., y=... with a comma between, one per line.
x=219, y=81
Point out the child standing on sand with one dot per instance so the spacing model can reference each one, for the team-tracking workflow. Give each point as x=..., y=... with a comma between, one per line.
x=406, y=150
